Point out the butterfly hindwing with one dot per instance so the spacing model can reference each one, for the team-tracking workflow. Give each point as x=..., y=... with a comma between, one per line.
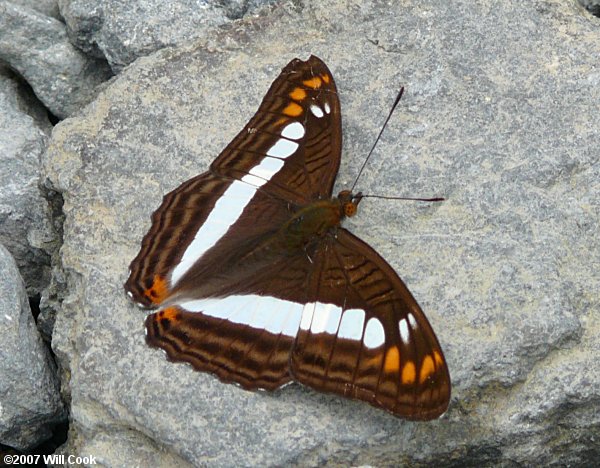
x=367, y=337
x=246, y=335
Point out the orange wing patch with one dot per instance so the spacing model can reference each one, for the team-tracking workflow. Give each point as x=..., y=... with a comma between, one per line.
x=409, y=373
x=165, y=318
x=170, y=313
x=427, y=369
x=439, y=361
x=326, y=78
x=298, y=94
x=314, y=82
x=392, y=360
x=159, y=290
x=293, y=110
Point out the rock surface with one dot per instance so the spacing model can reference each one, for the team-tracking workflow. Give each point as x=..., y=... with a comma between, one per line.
x=122, y=31
x=37, y=46
x=24, y=230
x=46, y=7
x=499, y=116
x=593, y=6
x=30, y=402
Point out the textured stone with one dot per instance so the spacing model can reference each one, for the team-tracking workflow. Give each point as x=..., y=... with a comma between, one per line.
x=499, y=117
x=593, y=6
x=37, y=46
x=24, y=231
x=46, y=7
x=30, y=402
x=121, y=31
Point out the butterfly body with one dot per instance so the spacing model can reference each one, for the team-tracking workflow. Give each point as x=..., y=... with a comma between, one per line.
x=312, y=222
x=257, y=282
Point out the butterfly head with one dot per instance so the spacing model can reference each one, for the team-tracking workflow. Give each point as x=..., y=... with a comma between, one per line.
x=349, y=202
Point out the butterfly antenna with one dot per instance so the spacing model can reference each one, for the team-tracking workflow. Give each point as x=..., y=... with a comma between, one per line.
x=436, y=199
x=378, y=137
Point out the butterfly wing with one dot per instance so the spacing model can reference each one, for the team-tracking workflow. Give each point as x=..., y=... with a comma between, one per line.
x=303, y=107
x=285, y=157
x=366, y=337
x=237, y=305
x=244, y=336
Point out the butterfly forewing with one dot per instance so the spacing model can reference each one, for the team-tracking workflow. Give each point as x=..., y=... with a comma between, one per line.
x=286, y=156
x=174, y=226
x=298, y=127
x=244, y=299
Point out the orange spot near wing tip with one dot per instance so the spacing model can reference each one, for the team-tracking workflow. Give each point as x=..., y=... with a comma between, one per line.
x=392, y=360
x=314, y=82
x=409, y=373
x=427, y=368
x=298, y=94
x=293, y=110
x=158, y=291
x=439, y=360
x=326, y=78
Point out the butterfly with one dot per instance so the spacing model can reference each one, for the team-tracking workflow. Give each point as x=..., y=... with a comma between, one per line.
x=257, y=282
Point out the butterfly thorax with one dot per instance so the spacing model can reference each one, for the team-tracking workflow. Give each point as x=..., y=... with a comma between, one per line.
x=317, y=219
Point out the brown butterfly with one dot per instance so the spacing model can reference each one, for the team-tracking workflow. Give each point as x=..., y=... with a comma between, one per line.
x=257, y=281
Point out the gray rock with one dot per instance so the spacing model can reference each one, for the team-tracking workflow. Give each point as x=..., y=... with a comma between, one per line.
x=122, y=31
x=24, y=230
x=37, y=46
x=593, y=6
x=46, y=7
x=30, y=402
x=499, y=116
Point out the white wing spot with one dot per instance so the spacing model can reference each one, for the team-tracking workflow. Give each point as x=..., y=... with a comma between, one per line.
x=267, y=168
x=283, y=148
x=374, y=334
x=412, y=321
x=307, y=315
x=272, y=314
x=295, y=131
x=287, y=323
x=326, y=318
x=226, y=211
x=404, y=334
x=317, y=111
x=231, y=204
x=327, y=108
x=351, y=326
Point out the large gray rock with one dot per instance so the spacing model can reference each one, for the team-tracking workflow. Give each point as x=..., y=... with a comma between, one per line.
x=24, y=230
x=37, y=46
x=121, y=31
x=499, y=116
x=593, y=6
x=30, y=403
x=46, y=7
